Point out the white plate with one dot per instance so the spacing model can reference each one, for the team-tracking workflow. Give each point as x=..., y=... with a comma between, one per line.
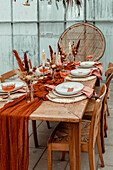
x=63, y=88
x=61, y=95
x=18, y=85
x=80, y=72
x=87, y=64
x=78, y=76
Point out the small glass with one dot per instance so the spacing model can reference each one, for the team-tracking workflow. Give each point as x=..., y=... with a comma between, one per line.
x=43, y=70
x=89, y=57
x=8, y=87
x=64, y=74
x=77, y=64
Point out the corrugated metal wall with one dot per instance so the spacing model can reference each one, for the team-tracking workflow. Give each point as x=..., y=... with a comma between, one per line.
x=32, y=28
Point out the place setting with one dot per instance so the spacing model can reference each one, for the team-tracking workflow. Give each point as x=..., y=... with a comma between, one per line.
x=9, y=90
x=80, y=75
x=92, y=64
x=69, y=92
x=86, y=70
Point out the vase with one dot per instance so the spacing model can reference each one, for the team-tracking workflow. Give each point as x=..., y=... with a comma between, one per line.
x=29, y=91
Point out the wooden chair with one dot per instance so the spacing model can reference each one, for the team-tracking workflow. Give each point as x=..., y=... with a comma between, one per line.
x=7, y=75
x=110, y=65
x=89, y=111
x=90, y=131
x=108, y=72
x=11, y=74
x=92, y=41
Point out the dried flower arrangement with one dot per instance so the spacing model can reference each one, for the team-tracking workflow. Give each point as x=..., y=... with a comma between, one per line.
x=75, y=49
x=25, y=73
x=62, y=54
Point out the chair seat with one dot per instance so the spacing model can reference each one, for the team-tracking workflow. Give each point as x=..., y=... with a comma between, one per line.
x=61, y=133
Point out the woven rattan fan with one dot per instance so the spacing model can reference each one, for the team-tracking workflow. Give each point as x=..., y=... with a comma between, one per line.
x=91, y=41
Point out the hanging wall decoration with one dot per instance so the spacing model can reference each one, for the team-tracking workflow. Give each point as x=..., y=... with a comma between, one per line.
x=66, y=3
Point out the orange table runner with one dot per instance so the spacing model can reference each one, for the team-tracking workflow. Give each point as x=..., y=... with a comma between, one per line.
x=14, y=116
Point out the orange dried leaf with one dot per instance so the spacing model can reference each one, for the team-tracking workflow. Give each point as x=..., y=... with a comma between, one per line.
x=70, y=89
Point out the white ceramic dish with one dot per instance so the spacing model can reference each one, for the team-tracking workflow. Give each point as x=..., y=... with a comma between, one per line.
x=87, y=64
x=69, y=88
x=78, y=76
x=80, y=72
x=61, y=95
x=18, y=85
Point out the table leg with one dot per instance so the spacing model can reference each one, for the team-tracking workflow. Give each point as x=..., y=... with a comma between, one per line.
x=75, y=146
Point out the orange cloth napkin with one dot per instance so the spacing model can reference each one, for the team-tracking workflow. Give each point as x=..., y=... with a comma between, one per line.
x=88, y=91
x=50, y=86
x=100, y=66
x=22, y=90
x=96, y=73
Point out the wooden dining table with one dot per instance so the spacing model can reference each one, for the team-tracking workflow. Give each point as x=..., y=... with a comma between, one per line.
x=63, y=112
x=71, y=113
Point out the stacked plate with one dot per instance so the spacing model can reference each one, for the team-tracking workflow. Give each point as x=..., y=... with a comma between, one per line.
x=87, y=64
x=68, y=89
x=80, y=73
x=18, y=85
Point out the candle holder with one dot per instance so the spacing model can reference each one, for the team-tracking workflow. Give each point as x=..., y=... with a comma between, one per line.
x=53, y=71
x=70, y=57
x=43, y=71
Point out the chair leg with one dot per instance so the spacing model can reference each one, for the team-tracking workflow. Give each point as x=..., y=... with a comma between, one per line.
x=101, y=129
x=63, y=156
x=35, y=133
x=107, y=108
x=92, y=159
x=99, y=148
x=49, y=157
x=48, y=125
x=105, y=126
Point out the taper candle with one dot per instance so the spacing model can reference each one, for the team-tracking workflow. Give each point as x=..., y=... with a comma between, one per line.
x=43, y=58
x=69, y=48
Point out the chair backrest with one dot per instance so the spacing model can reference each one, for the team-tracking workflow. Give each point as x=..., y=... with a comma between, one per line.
x=7, y=75
x=91, y=41
x=95, y=122
x=110, y=65
x=109, y=80
x=108, y=72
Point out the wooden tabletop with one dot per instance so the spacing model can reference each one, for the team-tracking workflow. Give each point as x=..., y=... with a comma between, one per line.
x=51, y=111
